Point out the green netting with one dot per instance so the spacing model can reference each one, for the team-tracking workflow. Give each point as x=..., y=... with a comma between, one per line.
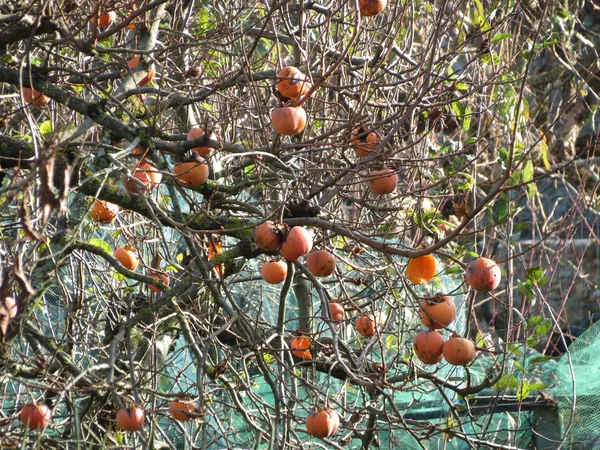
x=577, y=383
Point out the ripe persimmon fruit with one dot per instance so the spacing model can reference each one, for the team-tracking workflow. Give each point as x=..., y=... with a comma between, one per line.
x=267, y=236
x=459, y=351
x=289, y=120
x=192, y=172
x=366, y=325
x=300, y=347
x=364, y=145
x=382, y=181
x=127, y=256
x=104, y=212
x=437, y=312
x=321, y=263
x=323, y=423
x=130, y=419
x=274, y=272
x=297, y=243
x=371, y=7
x=483, y=274
x=428, y=346
x=421, y=270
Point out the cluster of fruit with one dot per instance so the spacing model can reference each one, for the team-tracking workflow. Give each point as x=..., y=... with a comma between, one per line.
x=38, y=416
x=437, y=313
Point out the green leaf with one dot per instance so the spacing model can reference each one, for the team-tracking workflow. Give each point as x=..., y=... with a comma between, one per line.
x=46, y=128
x=539, y=359
x=536, y=386
x=543, y=327
x=528, y=171
x=453, y=270
x=526, y=290
x=102, y=244
x=515, y=349
x=391, y=342
x=535, y=320
x=506, y=382
x=523, y=391
x=500, y=36
x=519, y=366
x=534, y=273
x=500, y=209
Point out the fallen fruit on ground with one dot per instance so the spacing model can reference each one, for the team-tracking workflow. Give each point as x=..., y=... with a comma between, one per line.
x=35, y=417
x=267, y=236
x=130, y=419
x=321, y=263
x=127, y=256
x=366, y=325
x=483, y=274
x=289, y=120
x=297, y=243
x=428, y=346
x=323, y=423
x=421, y=270
x=104, y=212
x=459, y=351
x=382, y=181
x=274, y=272
x=192, y=172
x=437, y=312
x=182, y=410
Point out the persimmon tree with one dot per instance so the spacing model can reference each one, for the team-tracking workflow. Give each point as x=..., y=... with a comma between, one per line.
x=139, y=157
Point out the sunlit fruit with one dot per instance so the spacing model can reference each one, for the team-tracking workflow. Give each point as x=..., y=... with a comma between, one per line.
x=140, y=181
x=437, y=312
x=321, y=263
x=337, y=312
x=127, y=256
x=35, y=417
x=288, y=120
x=428, y=346
x=383, y=181
x=130, y=419
x=291, y=83
x=297, y=243
x=371, y=7
x=267, y=236
x=191, y=173
x=366, y=325
x=160, y=276
x=150, y=72
x=274, y=272
x=198, y=133
x=323, y=423
x=35, y=97
x=364, y=145
x=104, y=20
x=182, y=410
x=421, y=270
x=483, y=274
x=459, y=351
x=300, y=347
x=104, y=212
x=154, y=175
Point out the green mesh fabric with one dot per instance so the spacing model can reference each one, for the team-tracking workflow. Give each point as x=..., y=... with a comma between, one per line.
x=577, y=383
